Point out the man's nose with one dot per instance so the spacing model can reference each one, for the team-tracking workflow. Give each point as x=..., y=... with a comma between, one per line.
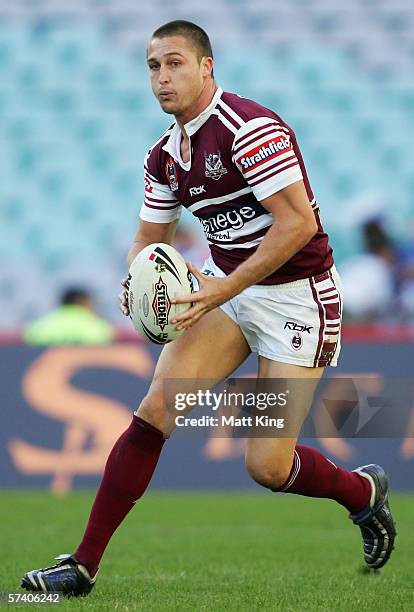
x=164, y=75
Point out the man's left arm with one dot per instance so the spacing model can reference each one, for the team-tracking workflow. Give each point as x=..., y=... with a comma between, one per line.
x=293, y=228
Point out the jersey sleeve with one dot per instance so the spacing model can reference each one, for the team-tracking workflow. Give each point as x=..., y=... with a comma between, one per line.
x=263, y=152
x=160, y=205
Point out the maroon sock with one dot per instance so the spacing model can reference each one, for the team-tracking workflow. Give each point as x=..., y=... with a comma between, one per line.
x=128, y=471
x=314, y=475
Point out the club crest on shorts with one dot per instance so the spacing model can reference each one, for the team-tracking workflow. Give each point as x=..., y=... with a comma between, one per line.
x=214, y=166
x=297, y=342
x=171, y=174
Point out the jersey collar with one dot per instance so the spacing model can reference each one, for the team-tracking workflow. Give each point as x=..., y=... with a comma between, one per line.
x=195, y=124
x=192, y=126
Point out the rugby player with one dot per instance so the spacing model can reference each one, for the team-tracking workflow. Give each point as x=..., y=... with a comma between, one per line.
x=235, y=165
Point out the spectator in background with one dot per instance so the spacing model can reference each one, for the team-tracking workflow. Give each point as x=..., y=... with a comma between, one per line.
x=75, y=321
x=405, y=282
x=368, y=279
x=379, y=284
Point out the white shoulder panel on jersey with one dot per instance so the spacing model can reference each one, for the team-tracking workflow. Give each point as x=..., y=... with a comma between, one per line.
x=263, y=152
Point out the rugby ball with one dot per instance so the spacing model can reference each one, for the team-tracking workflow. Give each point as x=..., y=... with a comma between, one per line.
x=158, y=275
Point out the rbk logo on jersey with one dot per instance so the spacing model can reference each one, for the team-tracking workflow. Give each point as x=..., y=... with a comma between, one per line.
x=272, y=148
x=171, y=174
x=194, y=191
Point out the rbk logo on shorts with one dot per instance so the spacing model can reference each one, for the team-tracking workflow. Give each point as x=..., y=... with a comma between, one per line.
x=298, y=327
x=270, y=149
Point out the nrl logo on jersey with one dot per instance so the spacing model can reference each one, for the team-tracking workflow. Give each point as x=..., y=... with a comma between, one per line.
x=171, y=174
x=214, y=166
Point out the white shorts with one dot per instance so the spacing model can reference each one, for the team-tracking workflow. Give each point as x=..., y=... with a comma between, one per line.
x=297, y=322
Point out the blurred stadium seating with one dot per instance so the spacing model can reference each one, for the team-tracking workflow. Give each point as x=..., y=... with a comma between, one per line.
x=77, y=115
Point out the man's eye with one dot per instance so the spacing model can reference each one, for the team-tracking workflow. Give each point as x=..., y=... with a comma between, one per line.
x=153, y=66
x=175, y=63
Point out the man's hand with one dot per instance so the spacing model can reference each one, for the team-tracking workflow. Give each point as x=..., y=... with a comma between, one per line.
x=123, y=302
x=212, y=293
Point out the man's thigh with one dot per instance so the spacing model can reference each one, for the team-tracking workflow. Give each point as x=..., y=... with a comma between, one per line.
x=301, y=382
x=210, y=351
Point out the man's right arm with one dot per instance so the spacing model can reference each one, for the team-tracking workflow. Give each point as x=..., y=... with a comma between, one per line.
x=147, y=233
x=159, y=217
x=150, y=233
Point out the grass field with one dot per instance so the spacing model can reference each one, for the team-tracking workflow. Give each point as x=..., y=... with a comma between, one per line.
x=213, y=551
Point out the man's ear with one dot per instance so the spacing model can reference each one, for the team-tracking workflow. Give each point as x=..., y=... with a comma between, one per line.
x=207, y=66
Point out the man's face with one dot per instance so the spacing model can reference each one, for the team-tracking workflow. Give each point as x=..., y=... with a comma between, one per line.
x=177, y=75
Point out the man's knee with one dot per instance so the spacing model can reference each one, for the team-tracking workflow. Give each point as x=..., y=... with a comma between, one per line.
x=272, y=475
x=152, y=410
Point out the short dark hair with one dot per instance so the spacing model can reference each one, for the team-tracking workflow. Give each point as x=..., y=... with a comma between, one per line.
x=376, y=237
x=74, y=295
x=189, y=30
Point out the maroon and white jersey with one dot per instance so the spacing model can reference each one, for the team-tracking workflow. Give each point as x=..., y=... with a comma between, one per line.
x=240, y=154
